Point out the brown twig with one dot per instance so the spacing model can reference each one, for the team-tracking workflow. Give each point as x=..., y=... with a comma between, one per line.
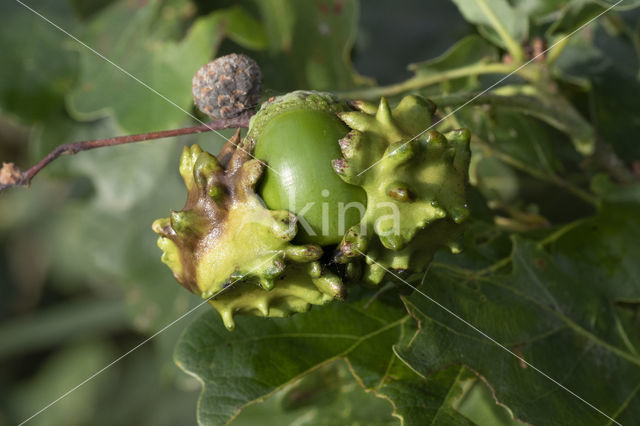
x=11, y=176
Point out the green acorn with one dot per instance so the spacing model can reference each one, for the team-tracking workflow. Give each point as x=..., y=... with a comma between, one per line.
x=296, y=135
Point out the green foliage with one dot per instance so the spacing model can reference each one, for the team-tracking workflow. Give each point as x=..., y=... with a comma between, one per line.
x=499, y=21
x=309, y=44
x=166, y=59
x=549, y=267
x=38, y=68
x=471, y=50
x=327, y=396
x=261, y=356
x=557, y=309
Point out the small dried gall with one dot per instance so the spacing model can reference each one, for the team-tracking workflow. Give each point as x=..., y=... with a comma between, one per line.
x=227, y=86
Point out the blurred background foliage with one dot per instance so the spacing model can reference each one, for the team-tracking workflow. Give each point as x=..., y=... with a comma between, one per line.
x=80, y=277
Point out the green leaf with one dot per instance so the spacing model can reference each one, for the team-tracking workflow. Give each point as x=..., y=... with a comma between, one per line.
x=261, y=355
x=327, y=396
x=479, y=405
x=569, y=308
x=539, y=8
x=244, y=29
x=575, y=15
x=145, y=40
x=471, y=51
x=559, y=113
x=606, y=67
x=418, y=399
x=38, y=65
x=572, y=13
x=500, y=21
x=556, y=111
x=525, y=139
x=309, y=44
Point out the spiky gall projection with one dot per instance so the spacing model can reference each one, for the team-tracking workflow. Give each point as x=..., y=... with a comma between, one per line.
x=225, y=237
x=414, y=178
